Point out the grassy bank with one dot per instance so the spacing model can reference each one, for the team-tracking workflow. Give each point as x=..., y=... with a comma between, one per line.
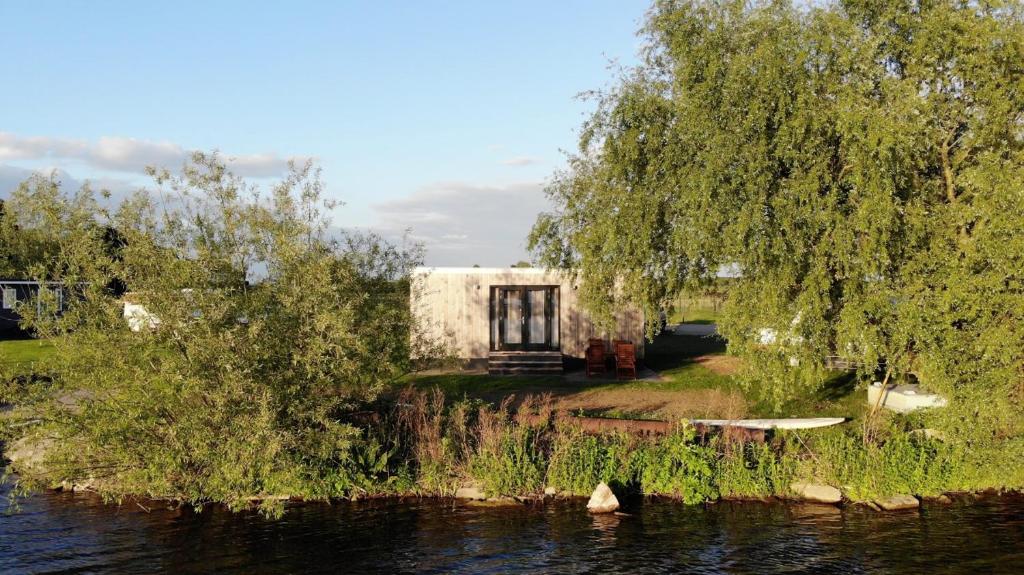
x=421, y=444
x=437, y=448
x=503, y=434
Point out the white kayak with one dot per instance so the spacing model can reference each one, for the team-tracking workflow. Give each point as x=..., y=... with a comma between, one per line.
x=790, y=423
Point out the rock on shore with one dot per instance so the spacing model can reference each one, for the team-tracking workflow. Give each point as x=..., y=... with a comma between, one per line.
x=470, y=492
x=898, y=502
x=817, y=493
x=602, y=500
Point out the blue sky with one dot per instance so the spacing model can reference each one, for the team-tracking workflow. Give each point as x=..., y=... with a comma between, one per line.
x=446, y=117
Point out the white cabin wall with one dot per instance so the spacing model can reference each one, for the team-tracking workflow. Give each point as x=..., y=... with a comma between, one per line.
x=453, y=305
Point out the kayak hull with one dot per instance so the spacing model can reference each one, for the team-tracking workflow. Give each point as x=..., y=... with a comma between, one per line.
x=786, y=423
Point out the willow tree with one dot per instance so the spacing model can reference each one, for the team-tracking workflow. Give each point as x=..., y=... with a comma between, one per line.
x=859, y=165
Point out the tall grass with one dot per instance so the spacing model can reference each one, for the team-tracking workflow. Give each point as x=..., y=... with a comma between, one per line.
x=519, y=449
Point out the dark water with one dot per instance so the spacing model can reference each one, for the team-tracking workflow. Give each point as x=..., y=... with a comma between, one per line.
x=64, y=533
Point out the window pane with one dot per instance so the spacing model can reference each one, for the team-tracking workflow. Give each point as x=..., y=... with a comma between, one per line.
x=494, y=318
x=538, y=323
x=513, y=317
x=554, y=317
x=10, y=297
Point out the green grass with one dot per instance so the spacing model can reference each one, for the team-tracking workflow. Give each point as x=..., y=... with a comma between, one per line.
x=702, y=315
x=481, y=385
x=25, y=353
x=674, y=357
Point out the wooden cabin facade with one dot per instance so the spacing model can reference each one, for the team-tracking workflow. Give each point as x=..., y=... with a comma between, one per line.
x=512, y=317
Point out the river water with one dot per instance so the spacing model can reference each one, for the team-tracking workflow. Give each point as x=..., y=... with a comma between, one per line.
x=66, y=533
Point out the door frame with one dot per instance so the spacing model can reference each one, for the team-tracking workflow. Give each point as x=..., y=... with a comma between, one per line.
x=498, y=293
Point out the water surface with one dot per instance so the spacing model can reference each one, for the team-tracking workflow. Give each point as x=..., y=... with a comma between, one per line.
x=67, y=533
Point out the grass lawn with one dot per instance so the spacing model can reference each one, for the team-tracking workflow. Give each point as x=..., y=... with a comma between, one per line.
x=695, y=381
x=24, y=353
x=703, y=315
x=490, y=387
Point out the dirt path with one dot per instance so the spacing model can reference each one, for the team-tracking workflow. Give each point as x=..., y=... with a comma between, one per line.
x=688, y=403
x=720, y=364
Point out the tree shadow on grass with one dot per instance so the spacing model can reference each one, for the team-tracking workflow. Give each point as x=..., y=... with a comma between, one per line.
x=494, y=388
x=838, y=387
x=670, y=351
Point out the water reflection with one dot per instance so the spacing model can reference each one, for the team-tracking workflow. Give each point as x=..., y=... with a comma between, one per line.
x=73, y=533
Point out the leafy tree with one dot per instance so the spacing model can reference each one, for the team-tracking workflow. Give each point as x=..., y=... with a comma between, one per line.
x=261, y=333
x=36, y=219
x=859, y=163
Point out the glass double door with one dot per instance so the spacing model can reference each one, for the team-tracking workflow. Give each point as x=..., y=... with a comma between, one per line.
x=524, y=318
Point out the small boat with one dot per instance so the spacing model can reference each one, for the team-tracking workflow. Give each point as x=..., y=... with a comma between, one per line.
x=785, y=423
x=903, y=398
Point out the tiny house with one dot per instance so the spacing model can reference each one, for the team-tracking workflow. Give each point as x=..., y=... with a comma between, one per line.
x=516, y=320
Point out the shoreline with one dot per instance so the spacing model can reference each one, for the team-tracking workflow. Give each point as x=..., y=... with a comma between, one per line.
x=631, y=500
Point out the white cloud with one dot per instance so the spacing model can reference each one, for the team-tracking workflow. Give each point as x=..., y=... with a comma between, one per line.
x=462, y=224
x=127, y=154
x=520, y=161
x=12, y=176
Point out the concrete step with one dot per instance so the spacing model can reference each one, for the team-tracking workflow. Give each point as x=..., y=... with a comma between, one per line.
x=546, y=354
x=526, y=357
x=524, y=370
x=524, y=363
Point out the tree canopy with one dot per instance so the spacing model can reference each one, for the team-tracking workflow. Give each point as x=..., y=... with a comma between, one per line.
x=260, y=329
x=859, y=165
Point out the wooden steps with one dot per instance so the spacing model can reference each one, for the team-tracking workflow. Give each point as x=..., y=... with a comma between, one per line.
x=524, y=363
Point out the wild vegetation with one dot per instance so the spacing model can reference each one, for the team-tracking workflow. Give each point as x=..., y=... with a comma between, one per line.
x=426, y=445
x=259, y=330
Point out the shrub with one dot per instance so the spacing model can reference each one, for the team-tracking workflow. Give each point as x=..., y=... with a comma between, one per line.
x=677, y=466
x=755, y=470
x=509, y=458
x=580, y=461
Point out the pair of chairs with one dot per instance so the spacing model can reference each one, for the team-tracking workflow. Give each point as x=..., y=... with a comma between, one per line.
x=625, y=358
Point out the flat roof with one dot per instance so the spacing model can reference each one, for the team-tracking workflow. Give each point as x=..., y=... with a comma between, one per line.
x=471, y=270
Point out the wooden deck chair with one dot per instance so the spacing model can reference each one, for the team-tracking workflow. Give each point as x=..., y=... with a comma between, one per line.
x=596, y=357
x=625, y=360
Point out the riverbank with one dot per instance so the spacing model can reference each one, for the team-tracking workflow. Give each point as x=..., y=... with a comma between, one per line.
x=425, y=446
x=511, y=438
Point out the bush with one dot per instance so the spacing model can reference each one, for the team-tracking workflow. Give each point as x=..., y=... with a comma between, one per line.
x=755, y=469
x=579, y=461
x=510, y=455
x=265, y=332
x=675, y=465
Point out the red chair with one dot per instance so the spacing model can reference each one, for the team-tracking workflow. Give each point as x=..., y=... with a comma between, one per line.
x=625, y=360
x=596, y=357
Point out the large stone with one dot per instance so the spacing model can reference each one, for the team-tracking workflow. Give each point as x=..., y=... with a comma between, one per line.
x=550, y=491
x=817, y=493
x=28, y=454
x=470, y=492
x=898, y=502
x=602, y=500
